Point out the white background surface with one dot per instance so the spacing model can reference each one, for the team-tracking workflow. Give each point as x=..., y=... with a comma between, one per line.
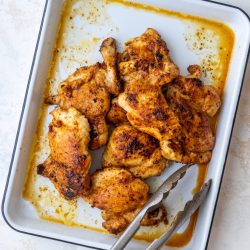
x=19, y=26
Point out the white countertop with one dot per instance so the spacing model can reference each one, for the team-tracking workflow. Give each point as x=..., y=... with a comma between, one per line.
x=19, y=25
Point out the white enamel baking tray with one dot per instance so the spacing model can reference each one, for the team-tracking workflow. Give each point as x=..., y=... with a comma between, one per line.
x=21, y=217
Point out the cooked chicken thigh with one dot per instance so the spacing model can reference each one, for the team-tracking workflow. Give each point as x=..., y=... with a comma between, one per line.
x=192, y=102
x=202, y=98
x=68, y=165
x=117, y=190
x=148, y=53
x=195, y=126
x=196, y=141
x=134, y=150
x=87, y=90
x=147, y=109
x=120, y=195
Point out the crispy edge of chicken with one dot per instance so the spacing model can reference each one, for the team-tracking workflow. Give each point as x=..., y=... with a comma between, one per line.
x=148, y=53
x=99, y=130
x=69, y=162
x=174, y=150
x=134, y=150
x=117, y=223
x=117, y=115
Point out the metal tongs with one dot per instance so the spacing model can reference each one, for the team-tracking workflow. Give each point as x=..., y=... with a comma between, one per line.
x=155, y=201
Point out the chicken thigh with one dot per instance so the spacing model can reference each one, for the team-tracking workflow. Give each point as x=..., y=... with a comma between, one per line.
x=148, y=53
x=69, y=162
x=120, y=195
x=202, y=98
x=196, y=141
x=147, y=109
x=193, y=103
x=134, y=150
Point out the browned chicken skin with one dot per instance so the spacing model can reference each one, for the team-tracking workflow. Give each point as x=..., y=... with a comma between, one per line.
x=120, y=195
x=109, y=54
x=117, y=115
x=196, y=141
x=117, y=190
x=147, y=109
x=98, y=132
x=68, y=165
x=87, y=90
x=134, y=150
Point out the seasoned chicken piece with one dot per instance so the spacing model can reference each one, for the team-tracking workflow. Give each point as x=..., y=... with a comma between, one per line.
x=87, y=90
x=195, y=126
x=192, y=104
x=68, y=165
x=147, y=109
x=120, y=195
x=117, y=190
x=202, y=98
x=196, y=141
x=138, y=152
x=148, y=53
x=117, y=115
x=145, y=66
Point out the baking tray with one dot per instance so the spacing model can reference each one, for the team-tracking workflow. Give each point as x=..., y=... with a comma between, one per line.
x=128, y=22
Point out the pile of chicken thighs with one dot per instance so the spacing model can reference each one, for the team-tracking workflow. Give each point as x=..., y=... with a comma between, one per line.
x=158, y=116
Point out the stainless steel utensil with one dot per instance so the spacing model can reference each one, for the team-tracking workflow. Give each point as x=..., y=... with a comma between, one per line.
x=155, y=201
x=181, y=217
